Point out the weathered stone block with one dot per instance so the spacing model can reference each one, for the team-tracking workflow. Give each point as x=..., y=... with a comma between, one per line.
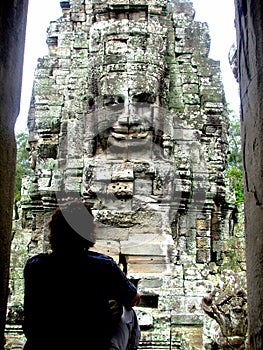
x=143, y=187
x=146, y=228
x=150, y=283
x=121, y=189
x=202, y=224
x=141, y=248
x=146, y=264
x=64, y=52
x=203, y=255
x=111, y=248
x=122, y=172
x=109, y=233
x=203, y=242
x=198, y=288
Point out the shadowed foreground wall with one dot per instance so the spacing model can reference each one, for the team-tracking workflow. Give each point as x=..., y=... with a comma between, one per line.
x=249, y=23
x=12, y=34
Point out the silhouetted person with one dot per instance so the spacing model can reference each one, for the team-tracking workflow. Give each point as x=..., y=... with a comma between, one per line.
x=67, y=292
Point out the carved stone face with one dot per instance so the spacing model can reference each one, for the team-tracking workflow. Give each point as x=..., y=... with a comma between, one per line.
x=127, y=48
x=129, y=171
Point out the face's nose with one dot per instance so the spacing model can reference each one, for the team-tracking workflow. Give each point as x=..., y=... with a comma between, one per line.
x=129, y=115
x=123, y=119
x=134, y=118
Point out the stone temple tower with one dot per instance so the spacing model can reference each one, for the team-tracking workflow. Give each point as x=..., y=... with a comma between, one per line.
x=128, y=114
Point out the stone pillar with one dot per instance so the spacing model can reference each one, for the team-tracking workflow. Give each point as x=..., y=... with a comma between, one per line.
x=249, y=24
x=12, y=35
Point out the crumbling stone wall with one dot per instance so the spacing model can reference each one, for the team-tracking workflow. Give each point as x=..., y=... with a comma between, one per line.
x=128, y=114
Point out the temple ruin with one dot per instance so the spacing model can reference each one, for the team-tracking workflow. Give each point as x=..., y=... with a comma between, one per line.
x=128, y=114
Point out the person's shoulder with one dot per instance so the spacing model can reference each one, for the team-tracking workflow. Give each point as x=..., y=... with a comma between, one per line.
x=99, y=256
x=38, y=259
x=102, y=260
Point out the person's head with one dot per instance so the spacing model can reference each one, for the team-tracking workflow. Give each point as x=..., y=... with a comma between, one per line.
x=72, y=227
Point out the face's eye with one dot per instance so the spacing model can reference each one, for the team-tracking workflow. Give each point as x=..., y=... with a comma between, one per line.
x=109, y=101
x=120, y=99
x=113, y=100
x=144, y=97
x=91, y=102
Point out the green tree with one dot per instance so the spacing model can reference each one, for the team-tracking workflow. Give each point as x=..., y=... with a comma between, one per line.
x=22, y=163
x=234, y=162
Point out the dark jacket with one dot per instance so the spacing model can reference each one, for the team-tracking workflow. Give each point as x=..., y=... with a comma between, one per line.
x=66, y=300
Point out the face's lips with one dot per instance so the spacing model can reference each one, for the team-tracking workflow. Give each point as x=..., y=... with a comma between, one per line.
x=131, y=134
x=125, y=131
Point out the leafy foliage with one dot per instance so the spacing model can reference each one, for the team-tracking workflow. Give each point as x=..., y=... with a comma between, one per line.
x=235, y=168
x=236, y=175
x=22, y=163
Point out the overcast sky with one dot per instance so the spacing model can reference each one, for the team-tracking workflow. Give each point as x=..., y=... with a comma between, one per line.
x=219, y=14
